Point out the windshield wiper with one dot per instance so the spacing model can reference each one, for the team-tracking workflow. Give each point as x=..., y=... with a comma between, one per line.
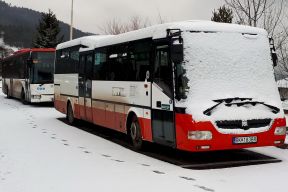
x=229, y=100
x=220, y=101
x=275, y=110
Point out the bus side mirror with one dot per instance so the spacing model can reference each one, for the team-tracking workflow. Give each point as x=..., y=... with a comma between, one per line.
x=177, y=55
x=274, y=59
x=273, y=52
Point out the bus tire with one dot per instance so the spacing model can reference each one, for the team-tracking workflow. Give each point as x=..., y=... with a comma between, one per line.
x=70, y=115
x=135, y=134
x=23, y=99
x=8, y=92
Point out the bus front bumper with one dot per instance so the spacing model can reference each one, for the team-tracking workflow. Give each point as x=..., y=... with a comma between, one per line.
x=220, y=141
x=42, y=98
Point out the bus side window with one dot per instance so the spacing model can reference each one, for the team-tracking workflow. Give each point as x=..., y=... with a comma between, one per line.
x=89, y=66
x=82, y=65
x=141, y=59
x=100, y=64
x=163, y=72
x=74, y=60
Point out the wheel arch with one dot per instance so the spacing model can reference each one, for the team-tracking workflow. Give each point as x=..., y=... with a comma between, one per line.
x=5, y=86
x=137, y=112
x=69, y=101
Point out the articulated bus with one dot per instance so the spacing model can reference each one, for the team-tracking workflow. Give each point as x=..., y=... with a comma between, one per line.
x=28, y=75
x=193, y=86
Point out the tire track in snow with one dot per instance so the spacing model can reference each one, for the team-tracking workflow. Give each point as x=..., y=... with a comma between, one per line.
x=31, y=120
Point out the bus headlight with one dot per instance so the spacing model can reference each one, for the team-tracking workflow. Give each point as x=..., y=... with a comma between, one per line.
x=280, y=131
x=199, y=135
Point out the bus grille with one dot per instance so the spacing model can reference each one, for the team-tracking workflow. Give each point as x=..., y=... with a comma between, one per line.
x=245, y=125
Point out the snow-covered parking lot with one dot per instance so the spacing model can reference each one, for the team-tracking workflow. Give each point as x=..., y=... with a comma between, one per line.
x=40, y=153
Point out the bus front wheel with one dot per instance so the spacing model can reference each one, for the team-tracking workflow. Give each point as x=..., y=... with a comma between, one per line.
x=135, y=134
x=23, y=99
x=70, y=115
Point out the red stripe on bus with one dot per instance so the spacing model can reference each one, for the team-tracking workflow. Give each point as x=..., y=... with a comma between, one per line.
x=88, y=114
x=109, y=119
x=77, y=111
x=60, y=106
x=99, y=117
x=146, y=129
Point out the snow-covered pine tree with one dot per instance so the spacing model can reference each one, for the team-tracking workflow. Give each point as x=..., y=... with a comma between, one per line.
x=223, y=15
x=48, y=31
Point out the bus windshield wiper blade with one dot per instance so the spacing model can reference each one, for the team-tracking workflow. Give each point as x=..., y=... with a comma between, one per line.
x=274, y=109
x=220, y=101
x=209, y=110
x=229, y=100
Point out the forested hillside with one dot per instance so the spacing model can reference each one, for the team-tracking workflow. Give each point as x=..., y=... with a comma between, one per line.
x=19, y=25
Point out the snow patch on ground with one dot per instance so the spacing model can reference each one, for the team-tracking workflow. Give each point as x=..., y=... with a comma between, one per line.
x=38, y=152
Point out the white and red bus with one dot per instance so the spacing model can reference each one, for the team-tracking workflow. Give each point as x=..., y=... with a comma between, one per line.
x=28, y=75
x=194, y=86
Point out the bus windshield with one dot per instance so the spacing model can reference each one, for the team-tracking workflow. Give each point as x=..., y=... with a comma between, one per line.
x=221, y=65
x=43, y=67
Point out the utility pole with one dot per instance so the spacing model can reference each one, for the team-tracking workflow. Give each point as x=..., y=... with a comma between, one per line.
x=2, y=33
x=2, y=47
x=71, y=26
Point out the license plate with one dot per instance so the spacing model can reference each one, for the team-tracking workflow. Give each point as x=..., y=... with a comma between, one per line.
x=244, y=140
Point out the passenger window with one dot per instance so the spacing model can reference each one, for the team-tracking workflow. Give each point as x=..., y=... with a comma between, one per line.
x=74, y=55
x=100, y=64
x=82, y=65
x=163, y=73
x=100, y=58
x=89, y=66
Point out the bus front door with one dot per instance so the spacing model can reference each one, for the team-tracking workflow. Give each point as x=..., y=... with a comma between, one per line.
x=163, y=127
x=85, y=87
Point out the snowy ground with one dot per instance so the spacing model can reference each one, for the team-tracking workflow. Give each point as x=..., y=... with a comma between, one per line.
x=40, y=153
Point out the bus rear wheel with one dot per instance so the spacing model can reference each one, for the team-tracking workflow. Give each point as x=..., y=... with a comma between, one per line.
x=23, y=99
x=70, y=115
x=135, y=134
x=8, y=92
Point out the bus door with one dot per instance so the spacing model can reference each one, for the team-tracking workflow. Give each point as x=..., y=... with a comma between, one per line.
x=85, y=86
x=163, y=127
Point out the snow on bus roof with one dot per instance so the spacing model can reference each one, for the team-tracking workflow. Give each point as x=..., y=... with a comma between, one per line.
x=159, y=31
x=87, y=41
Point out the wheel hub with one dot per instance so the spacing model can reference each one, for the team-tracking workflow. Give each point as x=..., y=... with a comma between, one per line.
x=133, y=131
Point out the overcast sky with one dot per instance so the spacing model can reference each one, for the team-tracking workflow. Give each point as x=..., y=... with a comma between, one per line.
x=90, y=15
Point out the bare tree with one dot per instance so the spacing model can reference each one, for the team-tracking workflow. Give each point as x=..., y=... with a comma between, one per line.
x=161, y=20
x=113, y=27
x=270, y=15
x=282, y=50
x=137, y=22
x=258, y=13
x=116, y=26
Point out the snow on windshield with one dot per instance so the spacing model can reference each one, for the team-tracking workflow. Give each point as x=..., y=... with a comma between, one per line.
x=226, y=65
